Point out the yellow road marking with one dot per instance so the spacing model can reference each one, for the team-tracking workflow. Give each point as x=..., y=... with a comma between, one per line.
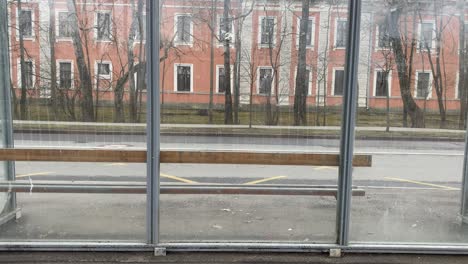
x=33, y=174
x=265, y=180
x=324, y=168
x=116, y=164
x=176, y=178
x=422, y=183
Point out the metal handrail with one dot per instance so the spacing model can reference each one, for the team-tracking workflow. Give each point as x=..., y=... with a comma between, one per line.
x=140, y=188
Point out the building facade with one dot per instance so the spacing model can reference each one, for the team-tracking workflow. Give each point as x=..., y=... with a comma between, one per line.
x=263, y=39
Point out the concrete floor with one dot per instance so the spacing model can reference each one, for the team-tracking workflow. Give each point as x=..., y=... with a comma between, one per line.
x=222, y=258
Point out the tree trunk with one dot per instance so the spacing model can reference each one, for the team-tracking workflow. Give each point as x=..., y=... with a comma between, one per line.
x=300, y=95
x=23, y=99
x=53, y=66
x=118, y=97
x=212, y=67
x=227, y=65
x=86, y=84
x=404, y=74
x=388, y=111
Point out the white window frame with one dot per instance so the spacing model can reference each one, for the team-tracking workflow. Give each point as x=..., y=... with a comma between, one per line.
x=259, y=35
x=332, y=92
x=177, y=42
x=457, y=87
x=72, y=72
x=312, y=37
x=57, y=26
x=191, y=77
x=101, y=76
x=433, y=22
x=96, y=24
x=338, y=19
x=309, y=86
x=429, y=94
x=258, y=80
x=33, y=18
x=142, y=37
x=389, y=84
x=377, y=35
x=33, y=72
x=218, y=27
x=217, y=77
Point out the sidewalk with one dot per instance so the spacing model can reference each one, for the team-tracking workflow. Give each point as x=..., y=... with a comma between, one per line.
x=324, y=132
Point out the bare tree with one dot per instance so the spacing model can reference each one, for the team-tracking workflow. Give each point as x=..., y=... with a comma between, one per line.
x=275, y=38
x=85, y=83
x=404, y=47
x=249, y=67
x=226, y=38
x=300, y=95
x=23, y=67
x=53, y=66
x=435, y=55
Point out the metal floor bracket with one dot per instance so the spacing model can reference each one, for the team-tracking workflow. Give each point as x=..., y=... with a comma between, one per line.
x=159, y=251
x=335, y=252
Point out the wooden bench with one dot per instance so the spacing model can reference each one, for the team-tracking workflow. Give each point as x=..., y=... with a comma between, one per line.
x=173, y=156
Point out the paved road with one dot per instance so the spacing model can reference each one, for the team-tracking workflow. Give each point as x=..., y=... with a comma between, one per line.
x=236, y=143
x=412, y=194
x=420, y=164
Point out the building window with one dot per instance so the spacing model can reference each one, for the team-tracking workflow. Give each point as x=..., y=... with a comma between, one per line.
x=138, y=35
x=184, y=29
x=341, y=29
x=309, y=34
x=221, y=79
x=28, y=74
x=383, y=37
x=65, y=75
x=183, y=78
x=423, y=85
x=222, y=33
x=265, y=80
x=382, y=83
x=25, y=23
x=104, y=70
x=338, y=82
x=267, y=30
x=425, y=35
x=64, y=25
x=103, y=26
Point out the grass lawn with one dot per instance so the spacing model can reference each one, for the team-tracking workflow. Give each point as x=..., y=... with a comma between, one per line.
x=369, y=118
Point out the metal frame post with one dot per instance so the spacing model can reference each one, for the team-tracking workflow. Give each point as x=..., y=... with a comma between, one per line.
x=6, y=115
x=464, y=190
x=348, y=123
x=152, y=120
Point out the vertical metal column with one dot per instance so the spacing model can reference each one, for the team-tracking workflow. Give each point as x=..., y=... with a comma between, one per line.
x=464, y=194
x=348, y=123
x=152, y=120
x=5, y=96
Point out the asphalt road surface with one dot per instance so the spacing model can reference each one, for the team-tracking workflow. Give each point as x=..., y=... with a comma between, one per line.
x=405, y=164
x=412, y=194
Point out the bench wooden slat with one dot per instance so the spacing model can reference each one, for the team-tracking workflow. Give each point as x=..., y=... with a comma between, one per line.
x=174, y=156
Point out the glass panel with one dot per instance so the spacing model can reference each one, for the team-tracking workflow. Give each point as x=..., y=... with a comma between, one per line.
x=415, y=134
x=270, y=76
x=72, y=90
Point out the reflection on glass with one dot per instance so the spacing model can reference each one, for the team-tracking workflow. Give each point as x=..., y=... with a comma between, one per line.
x=413, y=80
x=249, y=76
x=77, y=81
